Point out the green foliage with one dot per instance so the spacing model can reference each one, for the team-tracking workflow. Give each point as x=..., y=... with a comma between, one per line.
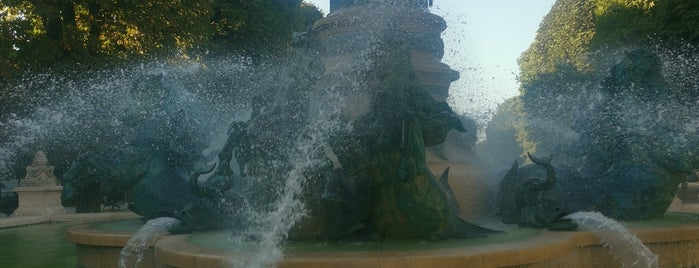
x=563, y=38
x=678, y=20
x=619, y=24
x=575, y=28
x=254, y=25
x=41, y=34
x=74, y=36
x=508, y=138
x=576, y=44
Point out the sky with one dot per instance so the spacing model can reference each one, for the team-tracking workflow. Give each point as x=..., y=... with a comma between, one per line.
x=483, y=40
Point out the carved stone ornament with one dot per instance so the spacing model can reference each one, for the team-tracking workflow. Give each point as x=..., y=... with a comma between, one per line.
x=39, y=173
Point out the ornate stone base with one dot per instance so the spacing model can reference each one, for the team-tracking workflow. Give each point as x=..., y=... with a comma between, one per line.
x=45, y=200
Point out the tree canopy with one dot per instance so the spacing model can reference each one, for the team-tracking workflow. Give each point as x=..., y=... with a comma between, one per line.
x=574, y=28
x=575, y=46
x=38, y=34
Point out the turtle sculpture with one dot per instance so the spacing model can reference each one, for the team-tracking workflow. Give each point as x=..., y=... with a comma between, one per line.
x=528, y=200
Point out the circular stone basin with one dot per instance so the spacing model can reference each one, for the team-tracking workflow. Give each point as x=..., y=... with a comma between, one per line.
x=109, y=234
x=674, y=238
x=215, y=249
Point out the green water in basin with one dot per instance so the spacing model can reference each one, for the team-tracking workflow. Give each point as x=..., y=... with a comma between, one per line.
x=221, y=240
x=509, y=236
x=36, y=246
x=43, y=245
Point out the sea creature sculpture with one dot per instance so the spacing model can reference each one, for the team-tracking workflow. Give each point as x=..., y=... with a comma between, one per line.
x=377, y=184
x=158, y=188
x=528, y=200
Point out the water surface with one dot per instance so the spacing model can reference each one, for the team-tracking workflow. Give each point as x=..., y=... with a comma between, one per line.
x=36, y=246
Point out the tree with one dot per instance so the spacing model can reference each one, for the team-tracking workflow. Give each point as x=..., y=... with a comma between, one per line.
x=563, y=38
x=41, y=34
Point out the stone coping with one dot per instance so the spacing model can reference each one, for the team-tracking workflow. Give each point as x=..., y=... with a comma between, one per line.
x=38, y=188
x=174, y=251
x=86, y=235
x=16, y=221
x=94, y=217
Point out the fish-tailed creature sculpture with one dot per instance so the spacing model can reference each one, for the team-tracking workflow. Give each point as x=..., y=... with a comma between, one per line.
x=528, y=200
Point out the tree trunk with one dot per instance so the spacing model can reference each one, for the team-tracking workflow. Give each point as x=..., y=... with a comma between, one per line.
x=89, y=199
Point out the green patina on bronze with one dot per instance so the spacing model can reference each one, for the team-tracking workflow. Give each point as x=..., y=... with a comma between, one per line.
x=379, y=187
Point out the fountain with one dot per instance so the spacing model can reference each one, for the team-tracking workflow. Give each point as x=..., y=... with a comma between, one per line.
x=334, y=153
x=344, y=137
x=325, y=159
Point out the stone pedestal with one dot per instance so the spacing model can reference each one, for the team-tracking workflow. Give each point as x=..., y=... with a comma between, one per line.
x=384, y=77
x=39, y=192
x=39, y=201
x=354, y=34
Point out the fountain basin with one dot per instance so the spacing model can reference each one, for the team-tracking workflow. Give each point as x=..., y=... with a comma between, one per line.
x=36, y=245
x=674, y=238
x=100, y=244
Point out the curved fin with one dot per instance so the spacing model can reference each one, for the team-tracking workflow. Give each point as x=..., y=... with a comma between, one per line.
x=546, y=160
x=513, y=173
x=463, y=229
x=550, y=171
x=193, y=180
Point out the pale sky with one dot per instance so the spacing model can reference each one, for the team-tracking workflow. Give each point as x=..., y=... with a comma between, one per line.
x=483, y=41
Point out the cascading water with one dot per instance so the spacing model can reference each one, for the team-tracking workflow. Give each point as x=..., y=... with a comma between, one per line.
x=176, y=114
x=163, y=107
x=271, y=228
x=132, y=252
x=115, y=108
x=624, y=246
x=178, y=109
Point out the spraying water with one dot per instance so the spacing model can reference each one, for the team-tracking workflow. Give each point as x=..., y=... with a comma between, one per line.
x=138, y=243
x=291, y=111
x=623, y=245
x=271, y=228
x=161, y=104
